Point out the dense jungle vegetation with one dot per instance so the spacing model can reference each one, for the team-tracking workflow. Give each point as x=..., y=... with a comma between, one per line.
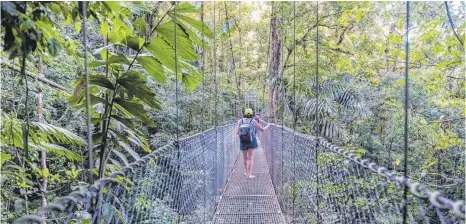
x=132, y=84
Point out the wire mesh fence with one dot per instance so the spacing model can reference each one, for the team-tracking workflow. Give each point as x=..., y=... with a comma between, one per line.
x=314, y=183
x=178, y=183
x=321, y=183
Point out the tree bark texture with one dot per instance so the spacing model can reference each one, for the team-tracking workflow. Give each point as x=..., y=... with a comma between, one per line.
x=43, y=155
x=274, y=64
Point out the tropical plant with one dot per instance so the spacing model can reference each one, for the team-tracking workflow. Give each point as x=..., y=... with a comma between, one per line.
x=338, y=103
x=119, y=90
x=18, y=168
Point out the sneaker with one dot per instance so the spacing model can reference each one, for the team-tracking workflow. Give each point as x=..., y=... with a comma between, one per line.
x=251, y=176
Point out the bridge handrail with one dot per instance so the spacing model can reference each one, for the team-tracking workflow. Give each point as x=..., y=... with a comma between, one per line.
x=68, y=202
x=417, y=189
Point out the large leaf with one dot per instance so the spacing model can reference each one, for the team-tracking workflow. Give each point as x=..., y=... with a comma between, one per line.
x=153, y=68
x=112, y=59
x=163, y=52
x=197, y=24
x=189, y=82
x=185, y=7
x=194, y=37
x=54, y=47
x=136, y=109
x=128, y=149
x=184, y=44
x=121, y=29
x=102, y=81
x=121, y=59
x=126, y=122
x=59, y=151
x=135, y=83
x=325, y=108
x=4, y=157
x=41, y=136
x=133, y=42
x=140, y=25
x=59, y=134
x=190, y=76
x=331, y=128
x=79, y=102
x=121, y=156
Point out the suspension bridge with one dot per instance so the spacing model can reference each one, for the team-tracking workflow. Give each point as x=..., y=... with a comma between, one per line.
x=298, y=179
x=200, y=179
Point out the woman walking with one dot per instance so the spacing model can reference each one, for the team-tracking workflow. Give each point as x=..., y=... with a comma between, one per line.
x=247, y=131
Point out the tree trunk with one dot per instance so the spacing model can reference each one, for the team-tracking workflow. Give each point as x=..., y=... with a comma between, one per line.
x=238, y=81
x=43, y=157
x=240, y=58
x=274, y=64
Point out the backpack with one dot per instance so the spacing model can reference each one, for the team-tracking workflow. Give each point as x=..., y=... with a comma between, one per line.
x=245, y=132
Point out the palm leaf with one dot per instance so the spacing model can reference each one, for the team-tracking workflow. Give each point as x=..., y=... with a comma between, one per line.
x=60, y=134
x=58, y=150
x=324, y=108
x=39, y=133
x=331, y=128
x=121, y=156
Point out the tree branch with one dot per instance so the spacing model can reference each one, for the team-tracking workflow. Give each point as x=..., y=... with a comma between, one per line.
x=35, y=76
x=453, y=77
x=453, y=25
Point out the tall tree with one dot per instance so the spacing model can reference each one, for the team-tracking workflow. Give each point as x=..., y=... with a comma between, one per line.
x=274, y=62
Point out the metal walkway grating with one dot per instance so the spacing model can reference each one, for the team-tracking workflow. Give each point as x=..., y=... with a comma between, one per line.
x=249, y=201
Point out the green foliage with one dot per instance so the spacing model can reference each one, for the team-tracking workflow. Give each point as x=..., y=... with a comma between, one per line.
x=132, y=69
x=31, y=25
x=333, y=98
x=121, y=90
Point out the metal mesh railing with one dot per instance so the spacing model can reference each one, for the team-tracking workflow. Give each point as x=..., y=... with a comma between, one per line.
x=174, y=184
x=181, y=183
x=346, y=189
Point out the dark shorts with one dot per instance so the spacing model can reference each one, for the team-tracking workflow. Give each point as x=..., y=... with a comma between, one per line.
x=251, y=145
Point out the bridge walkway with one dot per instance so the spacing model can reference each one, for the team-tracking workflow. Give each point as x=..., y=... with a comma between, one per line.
x=249, y=200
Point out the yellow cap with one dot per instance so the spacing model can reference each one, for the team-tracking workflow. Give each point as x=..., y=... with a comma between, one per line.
x=248, y=112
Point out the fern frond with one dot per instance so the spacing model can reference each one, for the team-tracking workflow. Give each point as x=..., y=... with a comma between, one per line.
x=325, y=108
x=58, y=150
x=332, y=129
x=52, y=132
x=12, y=133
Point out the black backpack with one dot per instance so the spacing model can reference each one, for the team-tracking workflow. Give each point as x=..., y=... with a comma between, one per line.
x=245, y=132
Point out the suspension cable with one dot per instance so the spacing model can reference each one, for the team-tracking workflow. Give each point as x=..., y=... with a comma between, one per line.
x=283, y=87
x=215, y=70
x=177, y=144
x=176, y=77
x=406, y=104
x=316, y=112
x=88, y=97
x=203, y=69
x=202, y=110
x=294, y=106
x=282, y=81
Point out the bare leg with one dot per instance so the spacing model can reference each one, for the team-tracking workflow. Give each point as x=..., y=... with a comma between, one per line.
x=245, y=158
x=250, y=156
